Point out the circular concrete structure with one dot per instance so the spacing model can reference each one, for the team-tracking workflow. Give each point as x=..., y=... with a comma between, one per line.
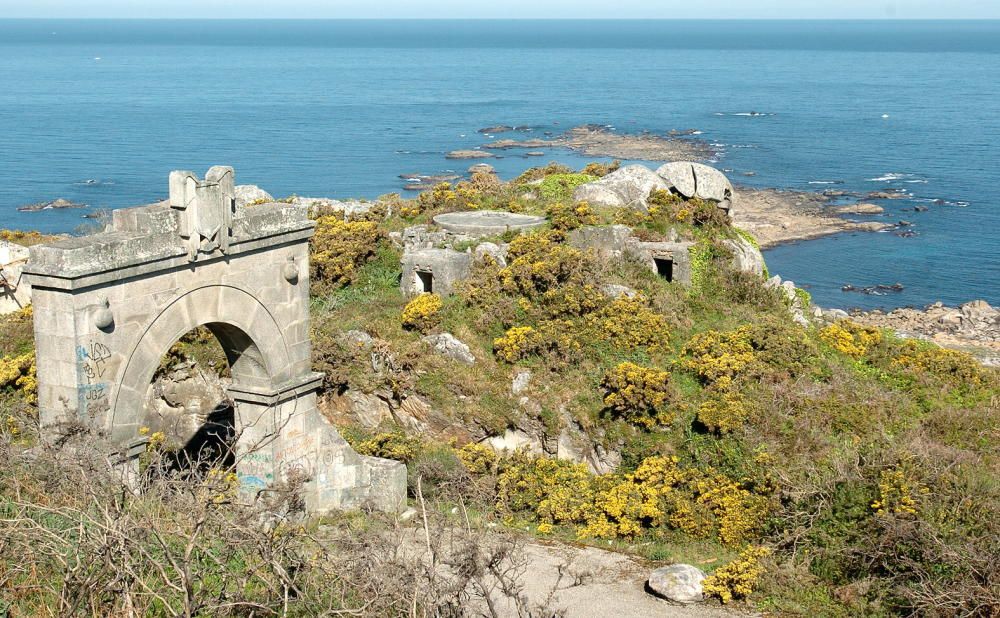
x=486, y=222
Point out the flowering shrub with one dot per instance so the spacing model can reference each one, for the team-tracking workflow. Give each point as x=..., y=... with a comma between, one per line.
x=478, y=458
x=564, y=217
x=850, y=338
x=636, y=502
x=658, y=493
x=539, y=173
x=571, y=301
x=896, y=494
x=638, y=394
x=737, y=579
x=17, y=373
x=601, y=169
x=422, y=313
x=517, y=343
x=739, y=513
x=715, y=354
x=554, y=490
x=669, y=206
x=629, y=323
x=440, y=197
x=539, y=262
x=726, y=411
x=951, y=366
x=553, y=337
x=390, y=445
x=338, y=249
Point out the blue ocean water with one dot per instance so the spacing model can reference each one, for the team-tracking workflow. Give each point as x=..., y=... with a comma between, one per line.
x=100, y=111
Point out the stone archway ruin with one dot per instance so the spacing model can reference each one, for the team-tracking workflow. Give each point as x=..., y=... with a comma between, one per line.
x=109, y=306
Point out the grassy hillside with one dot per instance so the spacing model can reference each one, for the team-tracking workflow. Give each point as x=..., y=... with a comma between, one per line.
x=832, y=470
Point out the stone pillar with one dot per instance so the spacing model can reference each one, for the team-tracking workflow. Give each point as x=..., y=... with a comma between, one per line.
x=281, y=433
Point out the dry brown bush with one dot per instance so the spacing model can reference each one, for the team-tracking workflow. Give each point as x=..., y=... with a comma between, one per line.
x=75, y=540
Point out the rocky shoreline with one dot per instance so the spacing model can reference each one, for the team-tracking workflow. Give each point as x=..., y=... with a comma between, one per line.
x=776, y=216
x=973, y=327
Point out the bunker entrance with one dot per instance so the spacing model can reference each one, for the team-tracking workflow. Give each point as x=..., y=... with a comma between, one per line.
x=425, y=282
x=188, y=416
x=665, y=267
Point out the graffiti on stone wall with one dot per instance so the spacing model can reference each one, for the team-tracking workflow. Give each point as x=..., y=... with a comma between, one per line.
x=92, y=387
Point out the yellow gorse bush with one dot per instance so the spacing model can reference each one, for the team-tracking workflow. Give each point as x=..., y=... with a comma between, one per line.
x=739, y=513
x=571, y=301
x=422, y=313
x=539, y=262
x=568, y=217
x=629, y=324
x=658, y=493
x=725, y=411
x=717, y=354
x=338, y=248
x=737, y=579
x=390, y=445
x=517, y=343
x=553, y=337
x=478, y=458
x=850, y=338
x=896, y=494
x=951, y=366
x=638, y=394
x=18, y=373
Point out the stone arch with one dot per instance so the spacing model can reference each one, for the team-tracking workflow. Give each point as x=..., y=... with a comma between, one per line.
x=242, y=324
x=109, y=306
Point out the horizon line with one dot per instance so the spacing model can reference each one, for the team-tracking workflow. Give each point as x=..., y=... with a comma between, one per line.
x=636, y=18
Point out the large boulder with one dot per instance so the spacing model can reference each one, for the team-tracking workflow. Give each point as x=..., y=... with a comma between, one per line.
x=698, y=180
x=627, y=187
x=746, y=256
x=680, y=583
x=248, y=194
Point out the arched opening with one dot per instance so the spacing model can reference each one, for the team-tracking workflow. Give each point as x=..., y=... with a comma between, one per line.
x=187, y=413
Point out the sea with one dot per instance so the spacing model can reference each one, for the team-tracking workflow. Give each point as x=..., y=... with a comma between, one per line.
x=99, y=111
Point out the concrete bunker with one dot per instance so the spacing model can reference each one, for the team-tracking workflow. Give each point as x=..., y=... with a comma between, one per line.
x=109, y=306
x=669, y=260
x=434, y=270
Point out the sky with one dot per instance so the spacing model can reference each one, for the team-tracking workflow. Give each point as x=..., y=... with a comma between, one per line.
x=654, y=9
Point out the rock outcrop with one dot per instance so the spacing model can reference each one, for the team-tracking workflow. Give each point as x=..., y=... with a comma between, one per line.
x=627, y=187
x=696, y=180
x=249, y=194
x=746, y=256
x=448, y=345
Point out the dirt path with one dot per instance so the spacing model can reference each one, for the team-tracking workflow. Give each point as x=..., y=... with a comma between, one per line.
x=593, y=583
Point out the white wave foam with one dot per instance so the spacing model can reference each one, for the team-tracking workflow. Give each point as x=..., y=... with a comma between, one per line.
x=892, y=177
